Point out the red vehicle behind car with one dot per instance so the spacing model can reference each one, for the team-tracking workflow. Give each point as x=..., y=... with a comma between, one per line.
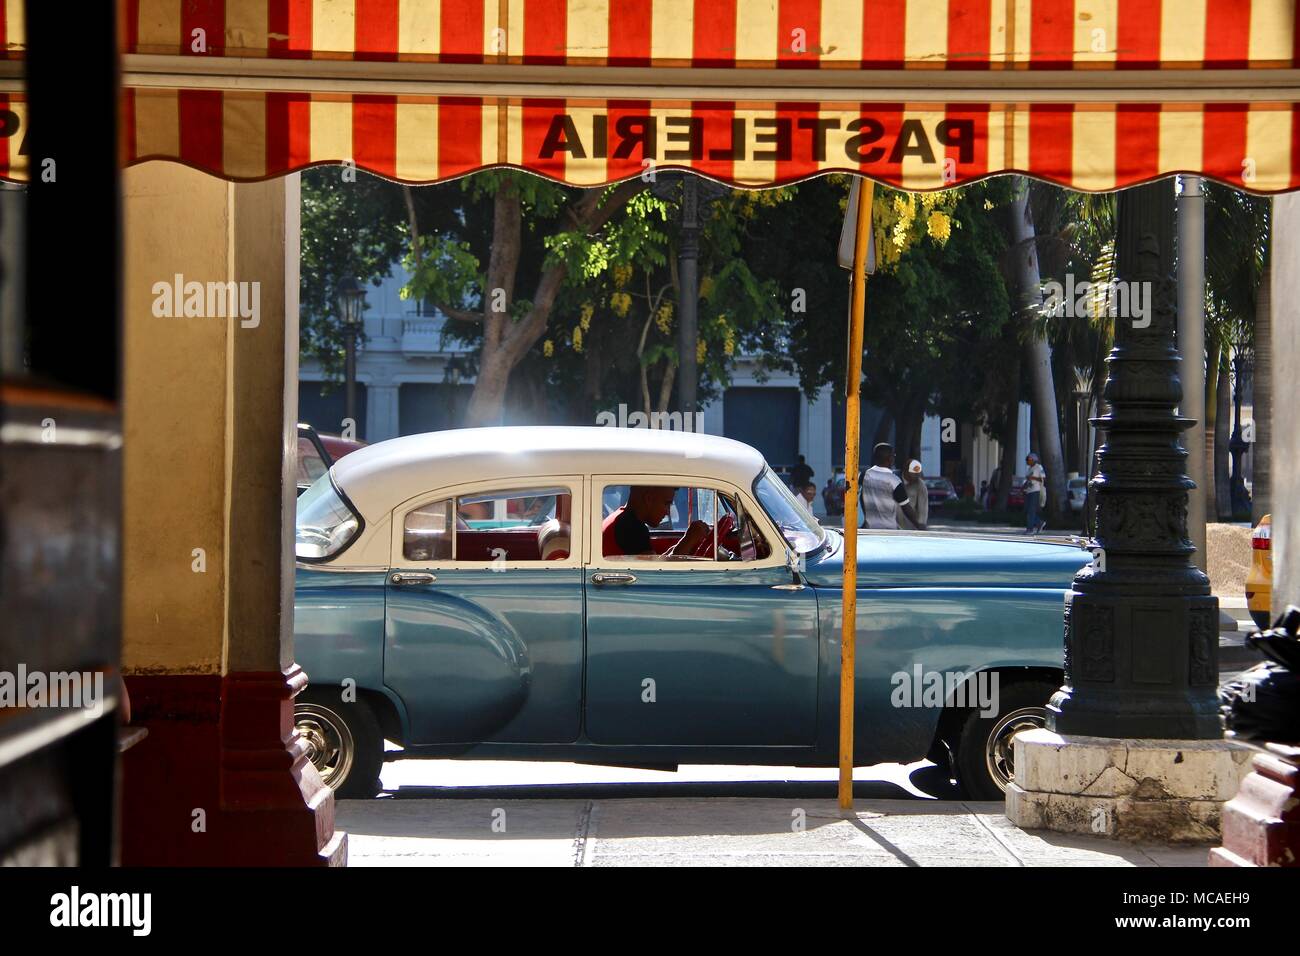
x=316, y=452
x=1016, y=496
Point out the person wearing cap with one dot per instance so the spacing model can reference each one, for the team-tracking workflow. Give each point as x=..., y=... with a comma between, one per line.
x=918, y=496
x=1035, y=492
x=881, y=493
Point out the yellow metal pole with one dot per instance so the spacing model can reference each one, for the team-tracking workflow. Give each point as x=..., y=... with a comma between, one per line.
x=852, y=427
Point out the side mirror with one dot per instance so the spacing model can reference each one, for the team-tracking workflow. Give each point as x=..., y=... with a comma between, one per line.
x=796, y=563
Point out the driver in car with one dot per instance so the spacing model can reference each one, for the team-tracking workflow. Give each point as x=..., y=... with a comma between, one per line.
x=627, y=530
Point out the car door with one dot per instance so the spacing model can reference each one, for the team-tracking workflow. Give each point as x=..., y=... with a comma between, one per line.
x=483, y=612
x=697, y=652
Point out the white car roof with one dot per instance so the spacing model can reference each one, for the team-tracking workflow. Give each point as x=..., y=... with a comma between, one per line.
x=382, y=475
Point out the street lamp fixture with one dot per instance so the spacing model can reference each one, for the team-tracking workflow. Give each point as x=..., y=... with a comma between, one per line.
x=350, y=298
x=451, y=371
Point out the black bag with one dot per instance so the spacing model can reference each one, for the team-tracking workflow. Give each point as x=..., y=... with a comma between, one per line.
x=1263, y=704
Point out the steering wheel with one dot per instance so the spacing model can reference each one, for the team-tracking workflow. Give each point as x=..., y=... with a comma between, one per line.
x=728, y=537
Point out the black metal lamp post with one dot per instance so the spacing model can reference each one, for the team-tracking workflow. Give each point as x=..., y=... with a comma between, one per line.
x=1242, y=366
x=350, y=298
x=695, y=197
x=1141, y=627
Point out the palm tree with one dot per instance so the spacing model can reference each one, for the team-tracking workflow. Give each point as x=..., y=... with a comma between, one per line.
x=1027, y=283
x=1076, y=235
x=1237, y=310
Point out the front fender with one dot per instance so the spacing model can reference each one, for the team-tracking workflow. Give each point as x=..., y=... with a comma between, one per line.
x=904, y=635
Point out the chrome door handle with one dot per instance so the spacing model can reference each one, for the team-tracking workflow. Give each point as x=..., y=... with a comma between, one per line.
x=613, y=577
x=411, y=577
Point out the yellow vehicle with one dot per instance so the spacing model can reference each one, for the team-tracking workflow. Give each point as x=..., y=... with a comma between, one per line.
x=1259, y=582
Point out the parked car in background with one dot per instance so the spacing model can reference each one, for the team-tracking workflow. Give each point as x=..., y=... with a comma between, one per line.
x=1016, y=496
x=463, y=594
x=316, y=452
x=1076, y=493
x=1259, y=581
x=940, y=491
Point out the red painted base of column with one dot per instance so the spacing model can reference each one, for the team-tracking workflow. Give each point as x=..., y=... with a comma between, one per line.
x=1261, y=824
x=221, y=780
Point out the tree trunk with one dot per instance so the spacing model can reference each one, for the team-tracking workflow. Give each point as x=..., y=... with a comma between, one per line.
x=1222, y=424
x=506, y=340
x=883, y=428
x=1007, y=452
x=1038, y=354
x=1262, y=449
x=1211, y=430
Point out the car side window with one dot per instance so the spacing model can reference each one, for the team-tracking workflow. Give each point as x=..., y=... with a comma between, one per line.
x=528, y=524
x=427, y=533
x=672, y=523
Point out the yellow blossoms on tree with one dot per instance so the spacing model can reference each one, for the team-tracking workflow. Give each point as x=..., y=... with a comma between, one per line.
x=577, y=339
x=664, y=318
x=622, y=274
x=548, y=348
x=620, y=302
x=585, y=314
x=939, y=226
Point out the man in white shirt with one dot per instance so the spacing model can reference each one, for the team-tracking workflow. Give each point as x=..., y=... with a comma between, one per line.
x=882, y=494
x=1035, y=483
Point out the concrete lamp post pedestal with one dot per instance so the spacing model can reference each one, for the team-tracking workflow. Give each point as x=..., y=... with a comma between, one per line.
x=1161, y=791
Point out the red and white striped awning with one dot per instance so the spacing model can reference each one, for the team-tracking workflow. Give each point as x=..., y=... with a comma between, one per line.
x=1093, y=94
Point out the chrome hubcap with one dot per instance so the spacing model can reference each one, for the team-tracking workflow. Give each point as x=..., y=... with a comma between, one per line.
x=328, y=740
x=999, y=753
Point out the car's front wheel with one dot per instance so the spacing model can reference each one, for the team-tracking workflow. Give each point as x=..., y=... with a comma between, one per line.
x=343, y=740
x=985, y=760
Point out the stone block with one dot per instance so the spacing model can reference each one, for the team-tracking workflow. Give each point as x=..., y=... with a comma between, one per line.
x=1169, y=791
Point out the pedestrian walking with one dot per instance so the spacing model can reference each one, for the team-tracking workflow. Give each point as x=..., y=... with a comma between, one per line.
x=918, y=496
x=833, y=497
x=800, y=475
x=882, y=493
x=807, y=495
x=1035, y=494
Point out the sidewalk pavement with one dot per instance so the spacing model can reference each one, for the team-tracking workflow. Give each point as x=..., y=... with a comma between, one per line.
x=724, y=831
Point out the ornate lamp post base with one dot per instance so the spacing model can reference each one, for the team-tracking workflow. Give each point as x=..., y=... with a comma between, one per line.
x=1134, y=747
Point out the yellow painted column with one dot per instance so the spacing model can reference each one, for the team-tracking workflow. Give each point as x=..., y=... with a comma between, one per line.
x=852, y=445
x=210, y=404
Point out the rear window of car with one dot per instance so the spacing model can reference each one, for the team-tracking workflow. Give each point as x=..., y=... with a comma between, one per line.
x=326, y=523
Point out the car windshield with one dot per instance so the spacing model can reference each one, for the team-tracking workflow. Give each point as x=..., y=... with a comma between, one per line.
x=325, y=524
x=798, y=526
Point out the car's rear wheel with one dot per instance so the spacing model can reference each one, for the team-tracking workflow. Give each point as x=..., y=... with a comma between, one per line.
x=343, y=740
x=985, y=759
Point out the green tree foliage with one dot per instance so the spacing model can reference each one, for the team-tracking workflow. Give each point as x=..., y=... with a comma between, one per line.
x=348, y=228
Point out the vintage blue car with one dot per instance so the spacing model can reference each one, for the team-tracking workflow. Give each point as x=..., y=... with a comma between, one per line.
x=649, y=598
